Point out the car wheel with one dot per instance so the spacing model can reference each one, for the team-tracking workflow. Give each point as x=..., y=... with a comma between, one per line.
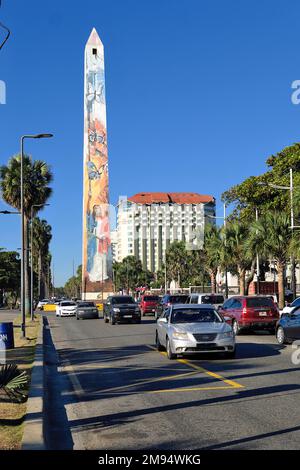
x=159, y=347
x=280, y=335
x=236, y=327
x=170, y=354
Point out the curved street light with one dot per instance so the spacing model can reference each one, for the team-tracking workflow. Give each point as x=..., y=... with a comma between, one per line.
x=26, y=136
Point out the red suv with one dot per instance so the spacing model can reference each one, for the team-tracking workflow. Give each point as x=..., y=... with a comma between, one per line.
x=251, y=312
x=148, y=304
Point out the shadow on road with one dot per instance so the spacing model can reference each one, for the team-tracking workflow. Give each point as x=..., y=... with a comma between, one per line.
x=56, y=427
x=125, y=417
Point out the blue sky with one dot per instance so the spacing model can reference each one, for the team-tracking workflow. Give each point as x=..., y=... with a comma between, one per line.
x=198, y=96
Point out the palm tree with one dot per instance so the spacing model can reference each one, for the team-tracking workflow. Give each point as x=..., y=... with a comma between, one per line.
x=271, y=237
x=236, y=234
x=41, y=238
x=212, y=253
x=176, y=259
x=36, y=177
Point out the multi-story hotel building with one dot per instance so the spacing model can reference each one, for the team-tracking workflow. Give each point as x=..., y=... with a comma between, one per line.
x=147, y=223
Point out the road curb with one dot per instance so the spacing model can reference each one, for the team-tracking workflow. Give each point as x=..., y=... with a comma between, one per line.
x=33, y=436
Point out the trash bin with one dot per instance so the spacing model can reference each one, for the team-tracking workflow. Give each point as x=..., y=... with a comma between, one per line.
x=6, y=336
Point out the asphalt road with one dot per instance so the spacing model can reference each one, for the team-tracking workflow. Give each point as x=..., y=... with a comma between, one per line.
x=109, y=389
x=8, y=315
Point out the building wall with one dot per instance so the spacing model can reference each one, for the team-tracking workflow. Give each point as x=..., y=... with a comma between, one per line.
x=147, y=230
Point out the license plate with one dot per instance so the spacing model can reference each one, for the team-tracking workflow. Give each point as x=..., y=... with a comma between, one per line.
x=127, y=316
x=262, y=314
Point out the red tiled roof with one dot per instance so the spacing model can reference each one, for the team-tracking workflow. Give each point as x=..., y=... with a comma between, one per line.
x=175, y=198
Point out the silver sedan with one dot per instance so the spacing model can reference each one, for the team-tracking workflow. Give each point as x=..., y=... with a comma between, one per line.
x=192, y=329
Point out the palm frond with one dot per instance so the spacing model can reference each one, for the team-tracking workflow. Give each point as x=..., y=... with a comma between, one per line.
x=12, y=381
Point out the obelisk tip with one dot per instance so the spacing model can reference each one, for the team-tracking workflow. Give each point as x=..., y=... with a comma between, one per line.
x=94, y=38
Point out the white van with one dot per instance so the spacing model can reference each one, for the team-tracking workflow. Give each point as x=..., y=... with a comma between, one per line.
x=212, y=299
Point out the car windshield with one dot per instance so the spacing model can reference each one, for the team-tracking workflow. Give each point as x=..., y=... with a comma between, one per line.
x=259, y=302
x=296, y=302
x=67, y=304
x=195, y=316
x=178, y=299
x=122, y=300
x=151, y=298
x=85, y=304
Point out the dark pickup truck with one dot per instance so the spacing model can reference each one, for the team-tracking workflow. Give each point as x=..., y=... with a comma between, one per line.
x=121, y=308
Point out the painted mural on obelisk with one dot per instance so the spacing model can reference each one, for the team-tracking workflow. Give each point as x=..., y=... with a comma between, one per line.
x=97, y=259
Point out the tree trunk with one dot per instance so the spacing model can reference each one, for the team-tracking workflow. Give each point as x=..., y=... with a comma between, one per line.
x=213, y=276
x=40, y=276
x=281, y=290
x=242, y=274
x=26, y=270
x=250, y=278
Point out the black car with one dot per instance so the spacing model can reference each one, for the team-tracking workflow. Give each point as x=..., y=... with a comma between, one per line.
x=86, y=310
x=121, y=308
x=167, y=300
x=288, y=327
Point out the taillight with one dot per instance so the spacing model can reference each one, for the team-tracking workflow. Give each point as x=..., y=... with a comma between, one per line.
x=244, y=311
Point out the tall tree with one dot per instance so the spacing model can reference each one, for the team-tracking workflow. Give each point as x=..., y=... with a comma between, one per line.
x=236, y=233
x=271, y=237
x=36, y=177
x=42, y=235
x=212, y=253
x=253, y=192
x=9, y=274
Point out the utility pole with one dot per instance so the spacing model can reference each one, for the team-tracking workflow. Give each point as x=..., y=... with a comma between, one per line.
x=226, y=276
x=165, y=273
x=257, y=261
x=293, y=264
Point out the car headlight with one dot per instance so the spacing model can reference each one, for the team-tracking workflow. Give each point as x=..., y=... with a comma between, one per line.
x=178, y=335
x=80, y=311
x=116, y=309
x=95, y=311
x=226, y=335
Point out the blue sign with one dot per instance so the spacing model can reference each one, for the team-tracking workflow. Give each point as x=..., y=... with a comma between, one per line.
x=6, y=336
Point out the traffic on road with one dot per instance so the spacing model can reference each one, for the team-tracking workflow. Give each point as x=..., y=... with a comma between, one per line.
x=136, y=382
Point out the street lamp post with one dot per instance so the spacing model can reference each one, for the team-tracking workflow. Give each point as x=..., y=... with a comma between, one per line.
x=8, y=212
x=35, y=136
x=224, y=223
x=257, y=261
x=31, y=256
x=291, y=189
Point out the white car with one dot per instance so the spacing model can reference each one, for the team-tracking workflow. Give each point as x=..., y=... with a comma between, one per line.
x=41, y=303
x=191, y=329
x=66, y=308
x=289, y=307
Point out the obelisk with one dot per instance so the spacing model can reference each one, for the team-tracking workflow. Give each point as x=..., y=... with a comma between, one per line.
x=96, y=246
